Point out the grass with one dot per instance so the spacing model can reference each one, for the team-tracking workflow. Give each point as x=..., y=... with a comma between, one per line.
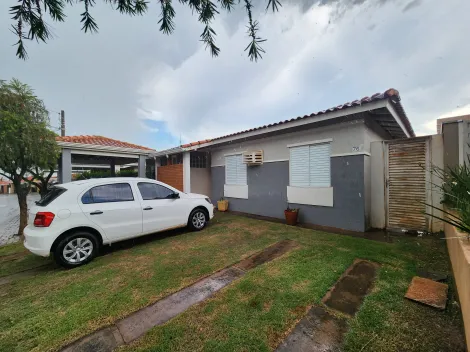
x=253, y=313
x=15, y=258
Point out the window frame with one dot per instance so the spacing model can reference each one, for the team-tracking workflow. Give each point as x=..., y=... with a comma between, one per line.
x=108, y=184
x=310, y=145
x=155, y=184
x=240, y=156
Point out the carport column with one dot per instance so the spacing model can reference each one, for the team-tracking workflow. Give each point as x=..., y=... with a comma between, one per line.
x=186, y=172
x=112, y=167
x=66, y=166
x=141, y=167
x=157, y=165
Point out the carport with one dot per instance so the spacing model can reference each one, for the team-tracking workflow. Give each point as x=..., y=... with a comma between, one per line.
x=97, y=152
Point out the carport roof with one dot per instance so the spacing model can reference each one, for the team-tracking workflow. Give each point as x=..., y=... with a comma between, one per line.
x=100, y=140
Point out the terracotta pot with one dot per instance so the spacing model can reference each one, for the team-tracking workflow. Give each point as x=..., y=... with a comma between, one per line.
x=222, y=205
x=291, y=217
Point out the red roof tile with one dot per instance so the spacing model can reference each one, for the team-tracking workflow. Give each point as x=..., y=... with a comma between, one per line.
x=388, y=94
x=99, y=140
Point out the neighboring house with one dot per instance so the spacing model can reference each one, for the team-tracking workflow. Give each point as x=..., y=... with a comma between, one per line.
x=456, y=135
x=6, y=187
x=319, y=163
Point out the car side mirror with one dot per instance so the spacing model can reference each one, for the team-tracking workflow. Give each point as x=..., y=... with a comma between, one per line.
x=174, y=195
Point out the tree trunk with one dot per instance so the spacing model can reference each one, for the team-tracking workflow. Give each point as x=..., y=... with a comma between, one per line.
x=22, y=194
x=43, y=189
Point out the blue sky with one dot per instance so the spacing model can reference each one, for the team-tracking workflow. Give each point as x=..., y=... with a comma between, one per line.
x=132, y=83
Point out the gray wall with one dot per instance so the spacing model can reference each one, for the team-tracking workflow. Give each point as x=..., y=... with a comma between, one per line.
x=267, y=187
x=450, y=132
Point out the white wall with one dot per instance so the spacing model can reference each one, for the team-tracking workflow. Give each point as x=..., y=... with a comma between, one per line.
x=377, y=185
x=346, y=137
x=201, y=181
x=437, y=160
x=379, y=151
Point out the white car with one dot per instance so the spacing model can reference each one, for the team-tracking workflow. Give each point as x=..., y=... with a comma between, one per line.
x=75, y=219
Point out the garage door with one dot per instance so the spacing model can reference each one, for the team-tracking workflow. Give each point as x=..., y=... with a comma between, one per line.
x=407, y=185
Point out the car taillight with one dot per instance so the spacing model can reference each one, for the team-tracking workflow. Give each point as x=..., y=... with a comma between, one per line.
x=43, y=219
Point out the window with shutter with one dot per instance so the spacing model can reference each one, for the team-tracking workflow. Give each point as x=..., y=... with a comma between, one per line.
x=309, y=165
x=235, y=170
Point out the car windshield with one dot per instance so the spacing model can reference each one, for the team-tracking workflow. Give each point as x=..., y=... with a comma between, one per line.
x=51, y=195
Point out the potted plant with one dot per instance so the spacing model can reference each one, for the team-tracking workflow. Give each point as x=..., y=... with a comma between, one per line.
x=222, y=204
x=291, y=215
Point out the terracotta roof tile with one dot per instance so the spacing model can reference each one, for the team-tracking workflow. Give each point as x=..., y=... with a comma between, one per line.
x=100, y=140
x=388, y=94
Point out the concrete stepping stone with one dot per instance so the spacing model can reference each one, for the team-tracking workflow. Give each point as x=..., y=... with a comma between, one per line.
x=428, y=292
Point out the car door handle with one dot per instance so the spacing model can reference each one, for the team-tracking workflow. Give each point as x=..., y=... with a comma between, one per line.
x=148, y=208
x=96, y=212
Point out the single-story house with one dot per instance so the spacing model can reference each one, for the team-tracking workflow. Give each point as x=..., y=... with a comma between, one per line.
x=319, y=163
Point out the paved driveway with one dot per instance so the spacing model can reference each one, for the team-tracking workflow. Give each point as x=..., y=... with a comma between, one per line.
x=10, y=216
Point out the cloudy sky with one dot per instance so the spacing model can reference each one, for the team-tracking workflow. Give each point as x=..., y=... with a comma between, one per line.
x=133, y=83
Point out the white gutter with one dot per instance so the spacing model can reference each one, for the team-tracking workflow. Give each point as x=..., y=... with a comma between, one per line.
x=108, y=148
x=391, y=108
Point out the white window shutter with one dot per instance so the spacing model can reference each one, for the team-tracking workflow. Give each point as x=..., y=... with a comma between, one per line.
x=320, y=165
x=231, y=170
x=241, y=171
x=235, y=170
x=299, y=166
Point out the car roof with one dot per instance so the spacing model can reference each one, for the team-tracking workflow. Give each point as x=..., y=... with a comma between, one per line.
x=92, y=181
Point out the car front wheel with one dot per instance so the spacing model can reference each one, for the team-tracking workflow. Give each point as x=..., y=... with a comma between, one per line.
x=197, y=220
x=76, y=249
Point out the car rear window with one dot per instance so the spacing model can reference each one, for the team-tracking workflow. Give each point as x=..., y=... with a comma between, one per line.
x=117, y=192
x=53, y=194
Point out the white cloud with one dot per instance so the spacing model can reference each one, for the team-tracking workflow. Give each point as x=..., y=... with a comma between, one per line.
x=315, y=60
x=125, y=79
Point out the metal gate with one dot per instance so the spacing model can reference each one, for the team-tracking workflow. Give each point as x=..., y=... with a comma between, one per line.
x=406, y=185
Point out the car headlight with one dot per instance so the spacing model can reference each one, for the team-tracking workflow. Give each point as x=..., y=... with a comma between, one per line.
x=208, y=200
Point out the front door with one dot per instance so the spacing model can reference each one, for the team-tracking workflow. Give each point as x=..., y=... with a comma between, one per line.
x=115, y=209
x=160, y=212
x=406, y=185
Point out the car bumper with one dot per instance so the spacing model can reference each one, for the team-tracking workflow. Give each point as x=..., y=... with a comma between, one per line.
x=38, y=241
x=211, y=212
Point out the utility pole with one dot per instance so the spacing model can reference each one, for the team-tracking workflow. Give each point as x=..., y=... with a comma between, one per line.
x=62, y=123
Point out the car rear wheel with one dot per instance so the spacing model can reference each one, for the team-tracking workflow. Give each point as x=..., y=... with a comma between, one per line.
x=76, y=249
x=197, y=219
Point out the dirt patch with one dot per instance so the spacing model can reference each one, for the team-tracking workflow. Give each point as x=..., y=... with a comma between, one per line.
x=318, y=331
x=349, y=291
x=27, y=273
x=268, y=254
x=14, y=256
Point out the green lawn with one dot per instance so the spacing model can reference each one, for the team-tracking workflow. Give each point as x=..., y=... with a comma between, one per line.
x=253, y=313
